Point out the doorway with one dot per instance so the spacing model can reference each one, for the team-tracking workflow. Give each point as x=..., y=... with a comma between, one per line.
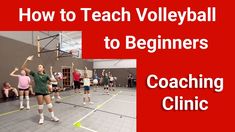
x=66, y=73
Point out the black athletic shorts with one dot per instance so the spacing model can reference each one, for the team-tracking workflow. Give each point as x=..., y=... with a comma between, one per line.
x=24, y=89
x=38, y=94
x=55, y=88
x=54, y=85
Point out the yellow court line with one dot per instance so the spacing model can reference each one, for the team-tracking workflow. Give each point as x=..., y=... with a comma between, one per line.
x=78, y=123
x=33, y=106
x=14, y=111
x=7, y=113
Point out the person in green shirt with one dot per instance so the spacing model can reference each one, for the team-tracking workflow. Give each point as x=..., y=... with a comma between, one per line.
x=106, y=82
x=41, y=89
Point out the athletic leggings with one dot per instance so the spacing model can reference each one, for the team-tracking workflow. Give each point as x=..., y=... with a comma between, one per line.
x=76, y=84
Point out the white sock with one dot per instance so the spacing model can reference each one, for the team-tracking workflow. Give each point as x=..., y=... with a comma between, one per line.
x=27, y=100
x=21, y=101
x=27, y=103
x=41, y=116
x=52, y=114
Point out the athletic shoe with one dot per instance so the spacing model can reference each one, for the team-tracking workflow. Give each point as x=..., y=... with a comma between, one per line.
x=58, y=97
x=55, y=119
x=53, y=97
x=28, y=108
x=91, y=102
x=41, y=121
x=21, y=107
x=84, y=103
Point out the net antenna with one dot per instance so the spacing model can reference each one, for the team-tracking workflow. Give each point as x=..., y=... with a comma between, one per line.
x=63, y=45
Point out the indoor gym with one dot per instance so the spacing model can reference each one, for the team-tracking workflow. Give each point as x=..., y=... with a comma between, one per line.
x=115, y=112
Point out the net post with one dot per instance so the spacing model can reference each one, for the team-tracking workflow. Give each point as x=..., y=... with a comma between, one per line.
x=38, y=46
x=58, y=46
x=57, y=51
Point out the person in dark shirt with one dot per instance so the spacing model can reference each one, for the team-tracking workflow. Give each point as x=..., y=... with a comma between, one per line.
x=130, y=81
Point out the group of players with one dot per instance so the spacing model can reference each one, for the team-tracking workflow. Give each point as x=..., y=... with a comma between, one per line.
x=106, y=79
x=45, y=85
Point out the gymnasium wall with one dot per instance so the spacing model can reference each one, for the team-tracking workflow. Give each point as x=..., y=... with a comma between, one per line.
x=114, y=63
x=121, y=74
x=120, y=68
x=29, y=37
x=13, y=53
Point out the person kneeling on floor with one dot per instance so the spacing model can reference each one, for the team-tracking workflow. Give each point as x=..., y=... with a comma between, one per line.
x=7, y=88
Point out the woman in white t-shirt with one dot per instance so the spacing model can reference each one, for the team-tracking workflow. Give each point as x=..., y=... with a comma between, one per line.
x=86, y=84
x=111, y=80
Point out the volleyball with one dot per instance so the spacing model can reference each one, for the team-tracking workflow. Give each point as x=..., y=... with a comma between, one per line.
x=95, y=81
x=58, y=75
